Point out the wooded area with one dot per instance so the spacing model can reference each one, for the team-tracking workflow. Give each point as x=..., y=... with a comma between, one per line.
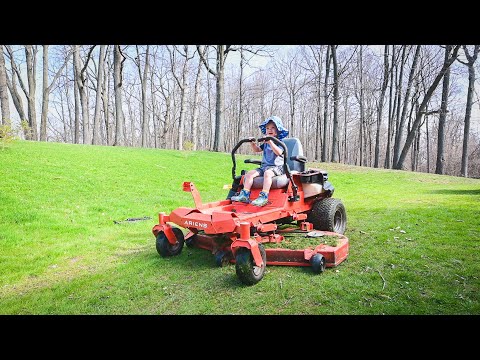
x=411, y=107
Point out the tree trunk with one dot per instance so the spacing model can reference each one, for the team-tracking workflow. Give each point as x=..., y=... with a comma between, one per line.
x=466, y=128
x=195, y=110
x=31, y=57
x=44, y=116
x=155, y=117
x=17, y=100
x=427, y=140
x=117, y=81
x=325, y=106
x=105, y=101
x=220, y=103
x=380, y=106
x=391, y=111
x=4, y=103
x=443, y=116
x=240, y=98
x=77, y=98
x=46, y=89
x=183, y=96
x=468, y=110
x=222, y=52
x=362, y=109
x=318, y=142
x=345, y=148
x=335, y=154
x=398, y=137
x=143, y=81
x=80, y=80
x=98, y=98
x=397, y=104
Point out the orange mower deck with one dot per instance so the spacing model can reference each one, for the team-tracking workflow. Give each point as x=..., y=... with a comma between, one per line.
x=334, y=255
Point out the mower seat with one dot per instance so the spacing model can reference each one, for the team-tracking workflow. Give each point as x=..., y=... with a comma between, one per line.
x=295, y=148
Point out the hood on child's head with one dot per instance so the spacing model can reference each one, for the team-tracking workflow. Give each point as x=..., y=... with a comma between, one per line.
x=282, y=132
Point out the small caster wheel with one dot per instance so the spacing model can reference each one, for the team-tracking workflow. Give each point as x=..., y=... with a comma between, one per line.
x=221, y=258
x=318, y=263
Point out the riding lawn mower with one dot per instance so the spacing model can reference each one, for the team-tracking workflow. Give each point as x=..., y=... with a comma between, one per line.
x=299, y=201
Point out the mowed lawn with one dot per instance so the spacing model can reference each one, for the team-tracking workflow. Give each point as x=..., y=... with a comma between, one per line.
x=414, y=239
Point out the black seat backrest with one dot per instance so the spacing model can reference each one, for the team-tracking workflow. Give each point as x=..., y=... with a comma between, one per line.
x=295, y=148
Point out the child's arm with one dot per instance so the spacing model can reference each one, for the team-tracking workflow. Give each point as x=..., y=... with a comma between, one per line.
x=255, y=147
x=276, y=149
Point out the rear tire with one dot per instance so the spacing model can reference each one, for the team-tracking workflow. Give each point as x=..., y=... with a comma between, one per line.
x=164, y=248
x=245, y=267
x=328, y=215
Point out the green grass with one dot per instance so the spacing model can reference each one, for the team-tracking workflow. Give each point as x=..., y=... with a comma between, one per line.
x=414, y=239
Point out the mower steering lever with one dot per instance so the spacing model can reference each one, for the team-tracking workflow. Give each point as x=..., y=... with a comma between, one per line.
x=234, y=150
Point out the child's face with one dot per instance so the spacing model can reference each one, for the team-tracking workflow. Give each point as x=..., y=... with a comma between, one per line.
x=271, y=129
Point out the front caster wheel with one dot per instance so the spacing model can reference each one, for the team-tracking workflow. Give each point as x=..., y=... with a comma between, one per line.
x=164, y=248
x=222, y=258
x=245, y=267
x=190, y=242
x=318, y=263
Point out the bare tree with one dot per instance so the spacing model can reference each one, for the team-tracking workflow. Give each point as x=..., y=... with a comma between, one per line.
x=401, y=122
x=80, y=79
x=182, y=84
x=222, y=52
x=5, y=119
x=314, y=63
x=17, y=99
x=118, y=60
x=31, y=133
x=380, y=105
x=76, y=98
x=47, y=89
x=195, y=107
x=143, y=76
x=241, y=95
x=106, y=97
x=335, y=150
x=468, y=110
x=419, y=114
x=362, y=110
x=391, y=110
x=443, y=115
x=325, y=105
x=31, y=56
x=293, y=80
x=98, y=98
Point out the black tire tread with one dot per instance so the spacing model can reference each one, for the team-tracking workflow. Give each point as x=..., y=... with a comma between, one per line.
x=322, y=215
x=164, y=248
x=244, y=265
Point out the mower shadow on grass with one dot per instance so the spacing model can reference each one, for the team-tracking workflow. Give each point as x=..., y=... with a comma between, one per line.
x=475, y=192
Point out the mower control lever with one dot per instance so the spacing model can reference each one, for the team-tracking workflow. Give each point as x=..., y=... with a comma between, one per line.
x=234, y=150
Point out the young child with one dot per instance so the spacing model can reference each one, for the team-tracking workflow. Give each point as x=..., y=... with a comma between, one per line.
x=272, y=162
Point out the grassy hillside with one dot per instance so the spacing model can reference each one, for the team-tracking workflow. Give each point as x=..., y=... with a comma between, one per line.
x=414, y=239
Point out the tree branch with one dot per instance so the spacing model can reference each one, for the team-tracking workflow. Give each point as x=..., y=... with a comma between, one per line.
x=86, y=63
x=14, y=67
x=201, y=53
x=59, y=71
